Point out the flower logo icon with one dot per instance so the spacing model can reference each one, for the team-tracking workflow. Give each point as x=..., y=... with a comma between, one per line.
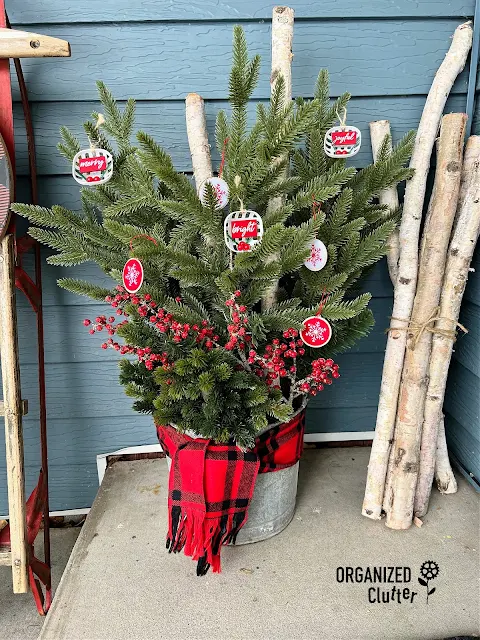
x=429, y=571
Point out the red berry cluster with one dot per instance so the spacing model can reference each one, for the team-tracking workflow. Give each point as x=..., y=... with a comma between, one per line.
x=316, y=381
x=101, y=323
x=144, y=355
x=158, y=317
x=237, y=330
x=272, y=365
x=163, y=320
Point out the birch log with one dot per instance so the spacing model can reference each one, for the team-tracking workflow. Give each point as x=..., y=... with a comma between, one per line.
x=462, y=246
x=413, y=388
x=378, y=130
x=405, y=287
x=198, y=138
x=282, y=38
x=444, y=477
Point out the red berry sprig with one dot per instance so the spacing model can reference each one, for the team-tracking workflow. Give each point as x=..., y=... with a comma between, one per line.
x=162, y=320
x=239, y=336
x=322, y=369
x=272, y=364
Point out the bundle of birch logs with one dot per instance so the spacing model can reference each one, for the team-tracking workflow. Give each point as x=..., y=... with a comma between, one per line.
x=429, y=279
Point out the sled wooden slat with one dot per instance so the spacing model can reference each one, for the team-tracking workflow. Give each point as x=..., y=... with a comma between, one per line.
x=24, y=408
x=22, y=44
x=13, y=417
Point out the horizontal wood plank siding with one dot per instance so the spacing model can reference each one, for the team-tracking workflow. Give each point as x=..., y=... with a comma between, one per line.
x=46, y=11
x=151, y=116
x=384, y=52
x=166, y=61
x=462, y=402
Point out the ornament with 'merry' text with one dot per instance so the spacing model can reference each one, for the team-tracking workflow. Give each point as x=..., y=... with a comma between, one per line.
x=92, y=167
x=132, y=276
x=242, y=230
x=316, y=332
x=318, y=256
x=220, y=188
x=342, y=142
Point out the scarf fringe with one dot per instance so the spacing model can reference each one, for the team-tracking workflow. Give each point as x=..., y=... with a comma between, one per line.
x=202, y=538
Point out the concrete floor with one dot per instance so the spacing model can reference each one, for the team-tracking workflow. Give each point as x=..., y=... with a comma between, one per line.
x=19, y=619
x=121, y=584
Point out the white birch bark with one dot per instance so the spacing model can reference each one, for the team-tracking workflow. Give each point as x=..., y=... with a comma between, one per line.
x=282, y=38
x=444, y=477
x=378, y=130
x=405, y=287
x=389, y=197
x=413, y=388
x=198, y=138
x=462, y=246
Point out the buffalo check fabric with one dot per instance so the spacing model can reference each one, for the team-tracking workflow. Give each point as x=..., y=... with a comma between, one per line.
x=211, y=485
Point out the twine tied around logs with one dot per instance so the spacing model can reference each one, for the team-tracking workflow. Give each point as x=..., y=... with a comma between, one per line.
x=419, y=328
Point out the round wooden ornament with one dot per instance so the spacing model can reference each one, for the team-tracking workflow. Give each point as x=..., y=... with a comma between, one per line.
x=6, y=187
x=221, y=191
x=342, y=142
x=92, y=167
x=242, y=230
x=132, y=276
x=316, y=332
x=318, y=256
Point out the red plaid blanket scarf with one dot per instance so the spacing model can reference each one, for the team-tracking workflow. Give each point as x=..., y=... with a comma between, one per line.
x=211, y=485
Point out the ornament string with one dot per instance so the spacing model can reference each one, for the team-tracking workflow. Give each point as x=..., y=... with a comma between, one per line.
x=142, y=235
x=343, y=121
x=222, y=161
x=316, y=206
x=100, y=121
x=419, y=328
x=323, y=301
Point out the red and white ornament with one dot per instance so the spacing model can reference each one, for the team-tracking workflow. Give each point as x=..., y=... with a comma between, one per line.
x=221, y=191
x=342, y=142
x=6, y=187
x=242, y=230
x=132, y=276
x=318, y=256
x=92, y=167
x=316, y=332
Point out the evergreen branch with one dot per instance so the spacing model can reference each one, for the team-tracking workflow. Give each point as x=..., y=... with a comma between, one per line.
x=83, y=288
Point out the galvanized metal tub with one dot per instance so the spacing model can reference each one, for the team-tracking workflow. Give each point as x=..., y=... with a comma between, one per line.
x=272, y=506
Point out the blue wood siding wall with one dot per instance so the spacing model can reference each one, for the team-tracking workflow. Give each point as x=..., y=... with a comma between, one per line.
x=462, y=402
x=384, y=52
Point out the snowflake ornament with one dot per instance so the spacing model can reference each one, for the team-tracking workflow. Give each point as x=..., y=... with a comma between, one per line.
x=317, y=332
x=318, y=256
x=132, y=276
x=221, y=191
